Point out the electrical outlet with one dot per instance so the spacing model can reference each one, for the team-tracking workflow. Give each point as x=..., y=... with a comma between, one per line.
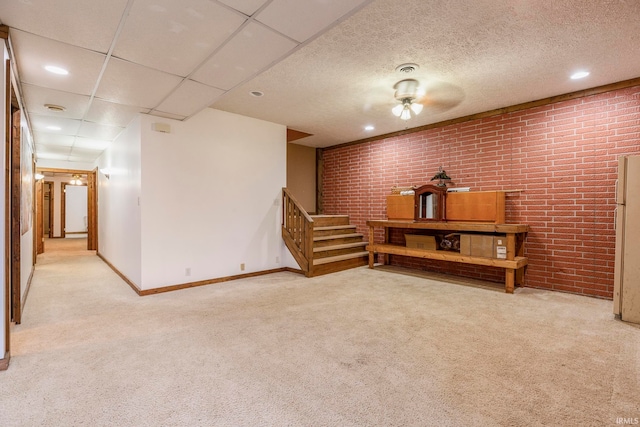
x=187, y=271
x=242, y=267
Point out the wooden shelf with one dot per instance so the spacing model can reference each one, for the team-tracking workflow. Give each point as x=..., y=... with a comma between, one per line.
x=517, y=262
x=515, y=235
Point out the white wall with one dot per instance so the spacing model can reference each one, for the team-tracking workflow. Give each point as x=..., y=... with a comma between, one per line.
x=119, y=220
x=76, y=209
x=211, y=197
x=26, y=239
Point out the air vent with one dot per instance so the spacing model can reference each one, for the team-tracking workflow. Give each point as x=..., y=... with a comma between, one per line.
x=54, y=108
x=407, y=68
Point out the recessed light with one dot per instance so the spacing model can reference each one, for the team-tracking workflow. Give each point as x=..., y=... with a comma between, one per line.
x=369, y=127
x=54, y=128
x=56, y=70
x=256, y=93
x=579, y=75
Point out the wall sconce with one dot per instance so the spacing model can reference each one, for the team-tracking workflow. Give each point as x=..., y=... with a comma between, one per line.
x=106, y=172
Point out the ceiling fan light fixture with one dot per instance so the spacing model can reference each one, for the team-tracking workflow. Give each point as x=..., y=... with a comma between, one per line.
x=406, y=114
x=397, y=110
x=416, y=108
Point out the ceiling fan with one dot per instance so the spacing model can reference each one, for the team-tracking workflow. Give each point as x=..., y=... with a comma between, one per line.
x=412, y=97
x=406, y=92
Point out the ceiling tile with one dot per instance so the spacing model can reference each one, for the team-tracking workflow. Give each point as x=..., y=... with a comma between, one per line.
x=54, y=125
x=33, y=53
x=301, y=20
x=167, y=115
x=250, y=51
x=37, y=97
x=93, y=144
x=175, y=37
x=51, y=156
x=98, y=131
x=127, y=83
x=109, y=113
x=90, y=26
x=43, y=150
x=190, y=98
x=248, y=7
x=45, y=138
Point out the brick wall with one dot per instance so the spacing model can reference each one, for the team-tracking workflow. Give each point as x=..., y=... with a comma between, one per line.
x=562, y=156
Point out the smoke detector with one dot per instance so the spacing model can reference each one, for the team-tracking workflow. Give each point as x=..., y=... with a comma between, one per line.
x=407, y=68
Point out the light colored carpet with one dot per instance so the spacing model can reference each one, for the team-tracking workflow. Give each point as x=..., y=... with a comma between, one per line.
x=357, y=348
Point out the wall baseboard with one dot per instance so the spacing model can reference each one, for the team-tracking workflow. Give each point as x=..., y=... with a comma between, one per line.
x=26, y=292
x=122, y=276
x=187, y=285
x=4, y=363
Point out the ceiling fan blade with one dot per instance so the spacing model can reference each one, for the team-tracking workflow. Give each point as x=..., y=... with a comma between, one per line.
x=441, y=97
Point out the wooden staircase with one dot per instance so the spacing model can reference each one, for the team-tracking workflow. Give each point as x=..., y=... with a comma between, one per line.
x=321, y=244
x=336, y=245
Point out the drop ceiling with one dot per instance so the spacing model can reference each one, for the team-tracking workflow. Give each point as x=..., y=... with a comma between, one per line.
x=325, y=67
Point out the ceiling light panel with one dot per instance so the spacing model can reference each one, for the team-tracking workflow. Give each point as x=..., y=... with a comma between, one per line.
x=302, y=20
x=37, y=97
x=175, y=36
x=190, y=98
x=251, y=50
x=45, y=123
x=50, y=156
x=109, y=113
x=248, y=7
x=127, y=83
x=33, y=53
x=98, y=131
x=99, y=19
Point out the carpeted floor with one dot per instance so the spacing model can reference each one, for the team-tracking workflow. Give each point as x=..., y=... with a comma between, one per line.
x=357, y=348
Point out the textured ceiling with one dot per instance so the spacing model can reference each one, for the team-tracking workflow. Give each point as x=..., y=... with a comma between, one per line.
x=326, y=67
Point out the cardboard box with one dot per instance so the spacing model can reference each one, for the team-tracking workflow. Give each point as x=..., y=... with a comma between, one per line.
x=500, y=246
x=416, y=241
x=400, y=207
x=479, y=245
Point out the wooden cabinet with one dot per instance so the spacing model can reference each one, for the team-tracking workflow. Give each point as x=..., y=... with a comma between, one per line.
x=400, y=207
x=430, y=203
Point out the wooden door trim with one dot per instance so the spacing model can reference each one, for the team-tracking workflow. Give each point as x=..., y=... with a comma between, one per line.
x=92, y=210
x=52, y=188
x=7, y=211
x=63, y=213
x=16, y=193
x=38, y=235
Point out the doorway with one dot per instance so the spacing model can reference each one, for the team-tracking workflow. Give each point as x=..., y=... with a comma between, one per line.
x=60, y=223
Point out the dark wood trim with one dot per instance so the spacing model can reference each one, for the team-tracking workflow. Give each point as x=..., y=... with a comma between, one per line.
x=76, y=232
x=7, y=209
x=26, y=291
x=4, y=32
x=63, y=208
x=92, y=210
x=4, y=363
x=70, y=171
x=38, y=235
x=498, y=111
x=52, y=187
x=16, y=235
x=178, y=287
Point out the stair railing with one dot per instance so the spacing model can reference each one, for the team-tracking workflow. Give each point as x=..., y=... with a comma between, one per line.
x=297, y=231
